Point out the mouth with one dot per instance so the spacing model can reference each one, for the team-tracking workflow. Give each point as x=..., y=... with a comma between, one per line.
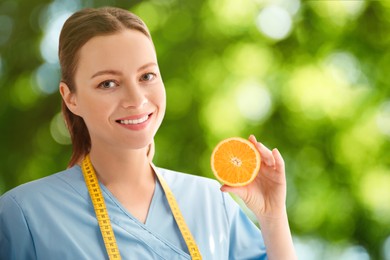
x=135, y=121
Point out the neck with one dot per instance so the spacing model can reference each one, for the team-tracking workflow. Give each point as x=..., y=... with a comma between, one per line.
x=118, y=167
x=128, y=175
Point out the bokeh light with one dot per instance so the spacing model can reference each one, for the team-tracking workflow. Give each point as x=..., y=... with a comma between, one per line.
x=386, y=249
x=254, y=101
x=48, y=77
x=229, y=17
x=52, y=21
x=59, y=131
x=152, y=14
x=318, y=92
x=310, y=248
x=383, y=118
x=345, y=66
x=221, y=119
x=274, y=22
x=49, y=44
x=247, y=59
x=339, y=12
x=375, y=192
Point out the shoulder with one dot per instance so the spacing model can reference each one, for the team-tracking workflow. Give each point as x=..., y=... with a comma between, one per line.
x=45, y=202
x=41, y=188
x=44, y=199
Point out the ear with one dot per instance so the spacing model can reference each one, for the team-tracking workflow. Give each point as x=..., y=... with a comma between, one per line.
x=69, y=98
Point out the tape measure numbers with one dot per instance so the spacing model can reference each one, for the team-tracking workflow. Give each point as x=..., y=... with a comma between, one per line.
x=100, y=209
x=185, y=231
x=104, y=221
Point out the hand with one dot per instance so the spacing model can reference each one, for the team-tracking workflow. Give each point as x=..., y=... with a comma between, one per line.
x=266, y=195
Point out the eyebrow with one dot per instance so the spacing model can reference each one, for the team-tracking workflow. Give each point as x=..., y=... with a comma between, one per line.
x=150, y=64
x=106, y=72
x=118, y=73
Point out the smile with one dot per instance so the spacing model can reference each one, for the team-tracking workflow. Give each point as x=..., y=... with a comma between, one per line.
x=135, y=121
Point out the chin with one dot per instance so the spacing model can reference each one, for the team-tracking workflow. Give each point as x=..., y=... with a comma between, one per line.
x=139, y=143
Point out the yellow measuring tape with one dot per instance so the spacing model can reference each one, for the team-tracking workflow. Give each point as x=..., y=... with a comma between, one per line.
x=100, y=209
x=104, y=220
x=185, y=231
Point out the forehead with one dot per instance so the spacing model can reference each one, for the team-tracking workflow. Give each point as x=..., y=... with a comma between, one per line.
x=124, y=48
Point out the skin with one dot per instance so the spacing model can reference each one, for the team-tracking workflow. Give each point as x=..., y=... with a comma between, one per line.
x=266, y=197
x=109, y=88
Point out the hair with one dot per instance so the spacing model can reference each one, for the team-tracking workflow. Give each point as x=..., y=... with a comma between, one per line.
x=78, y=29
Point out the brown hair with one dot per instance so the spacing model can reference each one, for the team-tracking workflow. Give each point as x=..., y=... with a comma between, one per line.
x=77, y=30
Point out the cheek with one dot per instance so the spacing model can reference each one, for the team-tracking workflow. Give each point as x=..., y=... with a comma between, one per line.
x=163, y=98
x=93, y=108
x=159, y=97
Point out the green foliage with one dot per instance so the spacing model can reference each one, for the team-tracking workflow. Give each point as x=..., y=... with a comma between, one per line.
x=320, y=93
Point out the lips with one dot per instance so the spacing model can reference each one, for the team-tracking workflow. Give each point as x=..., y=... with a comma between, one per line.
x=135, y=120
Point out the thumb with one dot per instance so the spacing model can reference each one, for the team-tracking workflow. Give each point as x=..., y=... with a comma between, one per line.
x=239, y=191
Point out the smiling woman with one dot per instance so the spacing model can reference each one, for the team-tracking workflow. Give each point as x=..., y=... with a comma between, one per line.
x=111, y=200
x=115, y=90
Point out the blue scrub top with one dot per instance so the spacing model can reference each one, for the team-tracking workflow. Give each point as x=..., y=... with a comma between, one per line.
x=53, y=218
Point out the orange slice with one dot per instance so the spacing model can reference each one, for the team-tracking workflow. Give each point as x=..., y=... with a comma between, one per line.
x=235, y=161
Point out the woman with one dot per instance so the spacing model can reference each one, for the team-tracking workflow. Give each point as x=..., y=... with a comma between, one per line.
x=113, y=103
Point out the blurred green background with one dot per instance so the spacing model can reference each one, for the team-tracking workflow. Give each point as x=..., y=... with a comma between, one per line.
x=308, y=77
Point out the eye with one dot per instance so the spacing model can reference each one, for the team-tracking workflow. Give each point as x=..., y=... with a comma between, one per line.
x=108, y=84
x=148, y=76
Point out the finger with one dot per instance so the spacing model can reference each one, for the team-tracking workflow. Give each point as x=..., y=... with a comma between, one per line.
x=266, y=154
x=279, y=162
x=252, y=138
x=239, y=191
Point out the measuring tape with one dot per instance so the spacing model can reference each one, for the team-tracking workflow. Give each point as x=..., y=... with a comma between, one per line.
x=100, y=209
x=185, y=231
x=104, y=221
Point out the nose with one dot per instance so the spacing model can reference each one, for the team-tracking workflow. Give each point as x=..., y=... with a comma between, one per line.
x=134, y=96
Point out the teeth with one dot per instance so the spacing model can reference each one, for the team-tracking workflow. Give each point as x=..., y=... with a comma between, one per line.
x=135, y=121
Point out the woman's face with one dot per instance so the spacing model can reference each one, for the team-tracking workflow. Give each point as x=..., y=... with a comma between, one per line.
x=119, y=90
